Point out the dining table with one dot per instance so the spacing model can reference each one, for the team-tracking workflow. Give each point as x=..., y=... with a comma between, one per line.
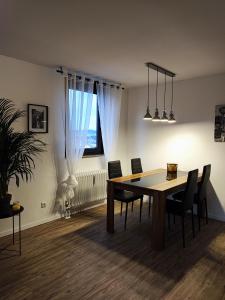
x=156, y=183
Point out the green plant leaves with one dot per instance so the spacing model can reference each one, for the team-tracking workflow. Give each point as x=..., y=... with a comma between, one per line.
x=17, y=149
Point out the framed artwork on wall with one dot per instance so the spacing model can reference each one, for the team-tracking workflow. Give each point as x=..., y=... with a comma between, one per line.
x=37, y=118
x=219, y=131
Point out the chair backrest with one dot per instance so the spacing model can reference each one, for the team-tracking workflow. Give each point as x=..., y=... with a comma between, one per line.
x=114, y=169
x=136, y=166
x=191, y=188
x=202, y=188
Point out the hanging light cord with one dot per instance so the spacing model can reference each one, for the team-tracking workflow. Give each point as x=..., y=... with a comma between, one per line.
x=148, y=86
x=156, y=93
x=165, y=94
x=172, y=96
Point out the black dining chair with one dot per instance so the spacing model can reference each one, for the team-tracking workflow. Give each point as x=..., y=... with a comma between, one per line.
x=181, y=202
x=136, y=167
x=115, y=171
x=201, y=196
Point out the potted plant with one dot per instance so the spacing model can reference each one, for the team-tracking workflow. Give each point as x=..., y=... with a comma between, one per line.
x=17, y=152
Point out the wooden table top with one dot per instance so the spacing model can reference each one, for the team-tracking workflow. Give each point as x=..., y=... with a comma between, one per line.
x=154, y=180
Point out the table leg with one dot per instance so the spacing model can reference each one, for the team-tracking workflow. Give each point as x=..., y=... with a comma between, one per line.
x=158, y=220
x=110, y=207
x=20, y=233
x=13, y=231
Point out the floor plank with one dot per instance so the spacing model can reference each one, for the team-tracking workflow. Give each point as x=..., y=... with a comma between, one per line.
x=77, y=259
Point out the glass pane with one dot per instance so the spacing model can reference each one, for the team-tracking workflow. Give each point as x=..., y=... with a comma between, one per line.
x=92, y=131
x=152, y=180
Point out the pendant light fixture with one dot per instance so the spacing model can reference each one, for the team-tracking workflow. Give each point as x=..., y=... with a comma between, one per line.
x=164, y=117
x=171, y=116
x=148, y=115
x=156, y=117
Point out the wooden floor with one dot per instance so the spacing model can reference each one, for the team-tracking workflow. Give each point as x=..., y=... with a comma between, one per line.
x=77, y=259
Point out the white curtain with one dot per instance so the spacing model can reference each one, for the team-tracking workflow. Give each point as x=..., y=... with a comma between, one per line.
x=109, y=104
x=78, y=112
x=78, y=104
x=79, y=97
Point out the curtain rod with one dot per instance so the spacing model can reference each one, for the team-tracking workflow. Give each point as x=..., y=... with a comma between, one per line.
x=96, y=79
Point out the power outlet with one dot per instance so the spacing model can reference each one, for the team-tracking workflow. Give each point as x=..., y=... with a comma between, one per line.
x=43, y=204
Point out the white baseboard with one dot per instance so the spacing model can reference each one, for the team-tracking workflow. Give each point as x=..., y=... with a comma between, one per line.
x=29, y=225
x=96, y=205
x=42, y=221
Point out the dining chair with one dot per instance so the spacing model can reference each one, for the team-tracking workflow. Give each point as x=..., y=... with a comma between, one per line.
x=115, y=171
x=181, y=202
x=136, y=167
x=201, y=196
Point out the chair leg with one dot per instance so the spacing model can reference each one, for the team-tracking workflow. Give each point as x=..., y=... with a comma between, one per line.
x=132, y=207
x=149, y=206
x=168, y=221
x=206, y=211
x=125, y=223
x=193, y=223
x=183, y=232
x=141, y=204
x=121, y=208
x=174, y=219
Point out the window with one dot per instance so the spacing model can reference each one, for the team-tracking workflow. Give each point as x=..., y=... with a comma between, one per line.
x=94, y=144
x=94, y=137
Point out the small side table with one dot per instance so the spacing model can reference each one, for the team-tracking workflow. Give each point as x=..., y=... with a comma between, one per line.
x=12, y=214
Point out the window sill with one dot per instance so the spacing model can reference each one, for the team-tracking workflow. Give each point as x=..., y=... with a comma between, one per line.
x=92, y=156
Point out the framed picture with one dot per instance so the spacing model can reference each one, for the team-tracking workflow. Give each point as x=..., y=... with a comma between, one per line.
x=219, y=131
x=37, y=118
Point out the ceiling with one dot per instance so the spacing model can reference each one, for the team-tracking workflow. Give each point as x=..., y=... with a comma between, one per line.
x=113, y=39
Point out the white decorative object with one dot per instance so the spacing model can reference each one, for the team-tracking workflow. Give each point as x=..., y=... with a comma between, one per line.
x=67, y=210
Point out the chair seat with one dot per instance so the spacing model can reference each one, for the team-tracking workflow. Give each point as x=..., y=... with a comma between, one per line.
x=174, y=204
x=176, y=195
x=175, y=207
x=126, y=196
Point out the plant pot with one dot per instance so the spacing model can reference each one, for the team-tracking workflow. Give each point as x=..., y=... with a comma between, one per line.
x=5, y=208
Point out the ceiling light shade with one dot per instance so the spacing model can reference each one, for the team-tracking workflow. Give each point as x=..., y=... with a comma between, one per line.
x=171, y=118
x=147, y=116
x=164, y=117
x=156, y=117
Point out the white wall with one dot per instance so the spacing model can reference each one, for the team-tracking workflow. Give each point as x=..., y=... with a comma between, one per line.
x=26, y=83
x=189, y=142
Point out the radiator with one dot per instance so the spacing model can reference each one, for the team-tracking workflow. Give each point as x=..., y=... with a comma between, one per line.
x=91, y=187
